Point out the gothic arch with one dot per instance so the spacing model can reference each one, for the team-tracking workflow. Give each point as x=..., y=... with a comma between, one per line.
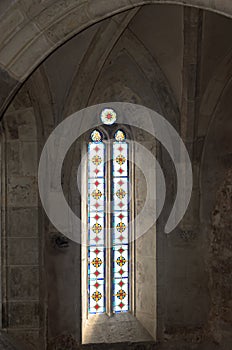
x=31, y=31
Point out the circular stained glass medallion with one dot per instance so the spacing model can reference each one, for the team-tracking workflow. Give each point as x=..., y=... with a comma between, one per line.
x=108, y=116
x=96, y=136
x=120, y=136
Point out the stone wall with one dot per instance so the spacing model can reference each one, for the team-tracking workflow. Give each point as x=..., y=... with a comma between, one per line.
x=115, y=60
x=20, y=234
x=220, y=263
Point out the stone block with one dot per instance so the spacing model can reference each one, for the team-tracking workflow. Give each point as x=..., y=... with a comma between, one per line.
x=21, y=125
x=146, y=244
x=67, y=25
x=22, y=222
x=52, y=13
x=33, y=54
x=9, y=342
x=29, y=158
x=33, y=7
x=146, y=285
x=102, y=8
x=23, y=283
x=13, y=156
x=148, y=322
x=4, y=6
x=20, y=40
x=29, y=338
x=27, y=125
x=11, y=126
x=10, y=24
x=23, y=251
x=22, y=191
x=23, y=315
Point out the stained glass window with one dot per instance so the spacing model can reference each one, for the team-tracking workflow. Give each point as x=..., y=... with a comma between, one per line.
x=120, y=223
x=101, y=183
x=96, y=224
x=108, y=116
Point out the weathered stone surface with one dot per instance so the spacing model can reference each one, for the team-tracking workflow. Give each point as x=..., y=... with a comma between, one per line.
x=20, y=124
x=23, y=251
x=29, y=338
x=8, y=342
x=10, y=25
x=22, y=191
x=24, y=315
x=11, y=127
x=23, y=283
x=19, y=40
x=146, y=244
x=129, y=73
x=29, y=161
x=52, y=14
x=7, y=86
x=125, y=327
x=13, y=157
x=64, y=341
x=220, y=263
x=26, y=125
x=31, y=57
x=22, y=222
x=66, y=26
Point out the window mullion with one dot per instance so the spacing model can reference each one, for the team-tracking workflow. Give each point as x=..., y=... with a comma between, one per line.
x=108, y=232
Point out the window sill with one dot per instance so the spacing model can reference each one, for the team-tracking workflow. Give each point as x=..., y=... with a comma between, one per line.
x=119, y=328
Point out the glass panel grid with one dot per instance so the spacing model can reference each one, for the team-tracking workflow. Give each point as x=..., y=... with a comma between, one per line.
x=120, y=222
x=96, y=228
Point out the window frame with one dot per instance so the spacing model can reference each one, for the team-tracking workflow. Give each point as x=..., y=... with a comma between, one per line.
x=108, y=133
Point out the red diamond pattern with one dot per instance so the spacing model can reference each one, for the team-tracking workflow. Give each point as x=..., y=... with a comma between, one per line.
x=96, y=273
x=121, y=305
x=96, y=285
x=96, y=251
x=121, y=283
x=120, y=183
x=97, y=306
x=121, y=216
x=121, y=250
x=96, y=183
x=96, y=217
